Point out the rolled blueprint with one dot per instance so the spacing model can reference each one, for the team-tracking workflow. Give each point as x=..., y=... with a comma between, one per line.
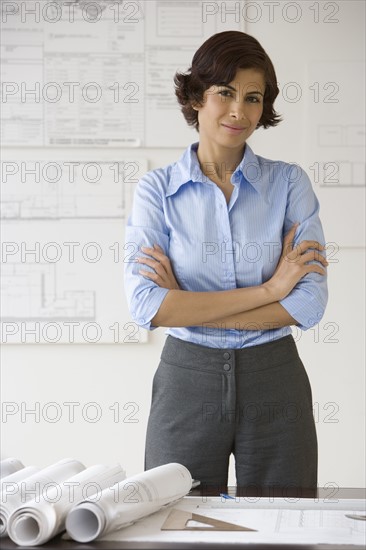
x=12, y=479
x=38, y=521
x=33, y=486
x=9, y=466
x=10, y=485
x=128, y=501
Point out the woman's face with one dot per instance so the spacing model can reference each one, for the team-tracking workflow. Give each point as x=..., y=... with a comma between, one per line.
x=238, y=104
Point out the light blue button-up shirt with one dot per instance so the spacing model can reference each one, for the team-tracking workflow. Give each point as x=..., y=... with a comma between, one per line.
x=217, y=246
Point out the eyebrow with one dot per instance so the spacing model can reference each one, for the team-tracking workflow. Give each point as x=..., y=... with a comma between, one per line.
x=234, y=89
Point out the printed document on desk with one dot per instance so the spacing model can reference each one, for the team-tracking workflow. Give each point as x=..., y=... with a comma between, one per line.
x=278, y=522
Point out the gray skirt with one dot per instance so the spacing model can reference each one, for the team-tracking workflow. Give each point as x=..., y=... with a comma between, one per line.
x=254, y=402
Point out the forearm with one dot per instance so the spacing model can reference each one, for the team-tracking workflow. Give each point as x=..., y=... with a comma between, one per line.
x=266, y=317
x=182, y=308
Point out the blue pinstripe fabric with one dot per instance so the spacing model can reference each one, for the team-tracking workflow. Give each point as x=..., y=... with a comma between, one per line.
x=216, y=246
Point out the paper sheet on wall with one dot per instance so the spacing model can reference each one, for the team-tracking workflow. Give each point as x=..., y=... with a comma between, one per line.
x=102, y=76
x=336, y=149
x=63, y=246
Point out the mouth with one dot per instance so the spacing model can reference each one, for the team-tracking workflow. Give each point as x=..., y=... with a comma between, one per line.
x=233, y=129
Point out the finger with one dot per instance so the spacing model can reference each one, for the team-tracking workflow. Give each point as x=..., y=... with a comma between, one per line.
x=153, y=276
x=314, y=268
x=148, y=249
x=144, y=260
x=163, y=259
x=148, y=261
x=162, y=267
x=310, y=256
x=156, y=266
x=154, y=248
x=291, y=231
x=293, y=228
x=153, y=252
x=288, y=241
x=314, y=255
x=303, y=247
x=306, y=257
x=158, y=274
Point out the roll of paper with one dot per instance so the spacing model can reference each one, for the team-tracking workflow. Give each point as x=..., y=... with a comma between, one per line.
x=9, y=466
x=38, y=521
x=128, y=501
x=10, y=486
x=33, y=487
x=12, y=479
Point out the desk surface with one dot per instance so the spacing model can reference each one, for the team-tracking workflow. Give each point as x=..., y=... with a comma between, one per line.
x=326, y=494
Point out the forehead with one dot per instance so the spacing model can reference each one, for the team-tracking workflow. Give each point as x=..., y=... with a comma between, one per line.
x=246, y=76
x=244, y=81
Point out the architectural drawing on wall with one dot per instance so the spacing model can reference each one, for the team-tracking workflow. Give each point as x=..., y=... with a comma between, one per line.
x=62, y=251
x=336, y=147
x=38, y=282
x=74, y=82
x=341, y=136
x=342, y=173
x=37, y=307
x=64, y=189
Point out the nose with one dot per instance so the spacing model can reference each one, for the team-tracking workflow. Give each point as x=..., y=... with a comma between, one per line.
x=238, y=110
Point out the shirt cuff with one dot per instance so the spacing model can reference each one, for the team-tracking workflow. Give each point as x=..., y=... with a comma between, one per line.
x=151, y=308
x=304, y=308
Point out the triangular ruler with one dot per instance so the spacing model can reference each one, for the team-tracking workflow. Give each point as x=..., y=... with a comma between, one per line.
x=178, y=521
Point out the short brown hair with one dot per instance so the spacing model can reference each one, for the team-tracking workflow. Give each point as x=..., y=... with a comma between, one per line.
x=217, y=61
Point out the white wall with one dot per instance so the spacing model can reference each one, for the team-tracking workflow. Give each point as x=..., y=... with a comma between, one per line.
x=41, y=375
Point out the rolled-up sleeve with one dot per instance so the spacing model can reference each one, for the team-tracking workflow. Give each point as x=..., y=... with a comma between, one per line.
x=145, y=226
x=307, y=301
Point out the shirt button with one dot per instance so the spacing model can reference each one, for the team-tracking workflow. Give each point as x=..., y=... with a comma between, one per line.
x=227, y=366
x=227, y=355
x=142, y=321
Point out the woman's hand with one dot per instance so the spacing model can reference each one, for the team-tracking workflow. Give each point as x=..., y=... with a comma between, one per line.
x=163, y=276
x=292, y=265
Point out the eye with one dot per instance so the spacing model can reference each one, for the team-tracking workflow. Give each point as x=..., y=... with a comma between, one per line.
x=224, y=92
x=253, y=99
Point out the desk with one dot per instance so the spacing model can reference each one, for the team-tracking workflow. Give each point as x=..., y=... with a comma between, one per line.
x=325, y=494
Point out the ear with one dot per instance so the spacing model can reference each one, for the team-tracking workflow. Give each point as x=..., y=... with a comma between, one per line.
x=195, y=106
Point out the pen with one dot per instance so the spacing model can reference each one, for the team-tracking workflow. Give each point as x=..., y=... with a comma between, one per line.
x=362, y=517
x=224, y=495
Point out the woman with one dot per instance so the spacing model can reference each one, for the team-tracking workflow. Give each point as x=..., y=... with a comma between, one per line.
x=228, y=271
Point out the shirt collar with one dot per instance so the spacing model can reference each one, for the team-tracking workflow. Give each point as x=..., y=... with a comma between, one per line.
x=187, y=168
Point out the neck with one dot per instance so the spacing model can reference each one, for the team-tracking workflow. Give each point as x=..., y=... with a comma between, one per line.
x=219, y=162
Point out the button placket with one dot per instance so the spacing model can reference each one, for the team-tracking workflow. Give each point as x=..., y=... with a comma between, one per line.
x=228, y=388
x=226, y=356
